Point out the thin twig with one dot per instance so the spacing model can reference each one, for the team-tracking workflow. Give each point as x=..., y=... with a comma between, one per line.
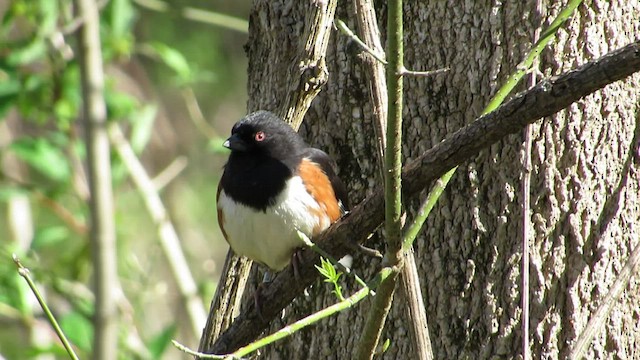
x=200, y=355
x=602, y=313
x=196, y=115
x=75, y=224
x=170, y=172
x=342, y=26
x=24, y=272
x=74, y=24
x=526, y=212
x=207, y=17
x=59, y=210
x=405, y=72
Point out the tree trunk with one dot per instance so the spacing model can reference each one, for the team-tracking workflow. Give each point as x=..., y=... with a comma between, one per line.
x=585, y=211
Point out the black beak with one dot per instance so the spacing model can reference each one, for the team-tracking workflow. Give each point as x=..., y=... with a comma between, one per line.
x=234, y=143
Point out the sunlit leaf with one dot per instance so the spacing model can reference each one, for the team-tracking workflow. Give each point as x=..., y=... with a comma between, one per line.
x=30, y=53
x=119, y=105
x=54, y=349
x=9, y=85
x=78, y=330
x=50, y=236
x=41, y=155
x=158, y=344
x=9, y=191
x=14, y=291
x=67, y=108
x=48, y=16
x=142, y=127
x=386, y=345
x=122, y=17
x=173, y=59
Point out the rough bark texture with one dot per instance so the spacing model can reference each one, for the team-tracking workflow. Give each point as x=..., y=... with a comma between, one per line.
x=584, y=195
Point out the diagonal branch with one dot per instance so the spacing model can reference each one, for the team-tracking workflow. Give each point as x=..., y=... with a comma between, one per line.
x=545, y=99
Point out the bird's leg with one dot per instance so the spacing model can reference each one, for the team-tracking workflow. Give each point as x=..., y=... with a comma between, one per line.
x=267, y=278
x=295, y=263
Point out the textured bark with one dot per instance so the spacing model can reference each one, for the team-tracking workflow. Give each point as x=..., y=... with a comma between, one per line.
x=585, y=207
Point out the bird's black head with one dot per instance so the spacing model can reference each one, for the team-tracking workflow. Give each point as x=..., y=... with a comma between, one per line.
x=264, y=133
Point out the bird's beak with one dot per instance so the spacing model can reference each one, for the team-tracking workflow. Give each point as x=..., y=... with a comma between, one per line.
x=235, y=143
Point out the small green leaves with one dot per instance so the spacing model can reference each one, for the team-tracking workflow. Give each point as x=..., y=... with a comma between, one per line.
x=78, y=330
x=173, y=59
x=158, y=344
x=328, y=271
x=44, y=157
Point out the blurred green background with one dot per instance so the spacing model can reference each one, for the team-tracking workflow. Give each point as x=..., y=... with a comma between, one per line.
x=175, y=85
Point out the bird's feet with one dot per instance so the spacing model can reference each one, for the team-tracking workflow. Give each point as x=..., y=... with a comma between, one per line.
x=295, y=263
x=267, y=278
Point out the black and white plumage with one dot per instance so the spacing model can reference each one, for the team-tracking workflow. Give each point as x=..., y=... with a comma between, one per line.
x=273, y=185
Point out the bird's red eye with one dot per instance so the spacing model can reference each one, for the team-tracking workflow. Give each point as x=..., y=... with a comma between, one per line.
x=260, y=136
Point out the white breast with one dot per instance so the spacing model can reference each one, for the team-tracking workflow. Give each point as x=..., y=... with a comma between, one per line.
x=270, y=237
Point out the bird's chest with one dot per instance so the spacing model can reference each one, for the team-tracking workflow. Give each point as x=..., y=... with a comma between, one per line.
x=270, y=236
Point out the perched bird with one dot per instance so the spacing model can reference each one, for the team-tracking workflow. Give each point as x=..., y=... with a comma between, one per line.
x=274, y=185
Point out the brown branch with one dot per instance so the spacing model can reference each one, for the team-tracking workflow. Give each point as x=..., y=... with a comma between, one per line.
x=311, y=73
x=545, y=99
x=102, y=235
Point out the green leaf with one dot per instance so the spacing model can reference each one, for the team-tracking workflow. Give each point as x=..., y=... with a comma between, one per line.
x=173, y=59
x=328, y=271
x=142, y=127
x=54, y=349
x=385, y=345
x=122, y=16
x=7, y=192
x=14, y=291
x=42, y=156
x=67, y=107
x=78, y=330
x=9, y=85
x=120, y=105
x=30, y=53
x=50, y=236
x=158, y=344
x=48, y=17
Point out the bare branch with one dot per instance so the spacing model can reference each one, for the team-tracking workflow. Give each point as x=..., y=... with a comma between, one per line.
x=102, y=234
x=311, y=73
x=207, y=17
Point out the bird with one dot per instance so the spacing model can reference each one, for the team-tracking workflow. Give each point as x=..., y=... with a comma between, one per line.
x=272, y=186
